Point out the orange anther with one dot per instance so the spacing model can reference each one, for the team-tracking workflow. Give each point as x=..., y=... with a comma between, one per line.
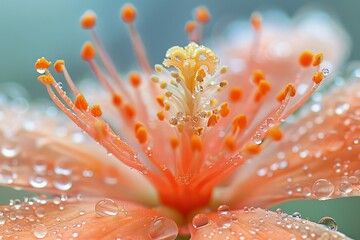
x=202, y=15
x=240, y=121
x=212, y=121
x=257, y=76
x=42, y=63
x=288, y=89
x=160, y=100
x=224, y=109
x=190, y=27
x=201, y=73
x=135, y=79
x=253, y=148
x=141, y=134
x=88, y=51
x=256, y=21
x=88, y=19
x=229, y=143
x=46, y=79
x=257, y=96
x=196, y=143
x=318, y=58
x=306, y=58
x=264, y=87
x=59, y=65
x=129, y=110
x=96, y=110
x=160, y=115
x=318, y=77
x=116, y=99
x=167, y=106
x=81, y=103
x=128, y=13
x=137, y=125
x=235, y=94
x=275, y=133
x=174, y=142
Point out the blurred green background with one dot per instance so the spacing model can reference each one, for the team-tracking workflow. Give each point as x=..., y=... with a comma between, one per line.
x=31, y=29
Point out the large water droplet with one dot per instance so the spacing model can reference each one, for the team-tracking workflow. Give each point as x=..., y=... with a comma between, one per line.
x=323, y=188
x=200, y=220
x=10, y=149
x=40, y=231
x=345, y=187
x=163, y=228
x=38, y=181
x=329, y=223
x=223, y=209
x=106, y=207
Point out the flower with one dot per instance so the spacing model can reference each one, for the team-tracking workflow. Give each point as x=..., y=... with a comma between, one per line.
x=202, y=142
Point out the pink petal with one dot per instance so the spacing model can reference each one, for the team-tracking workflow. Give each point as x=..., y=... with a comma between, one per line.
x=85, y=219
x=43, y=152
x=257, y=224
x=319, y=156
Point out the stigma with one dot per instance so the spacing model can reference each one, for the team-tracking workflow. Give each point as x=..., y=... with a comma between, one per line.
x=190, y=81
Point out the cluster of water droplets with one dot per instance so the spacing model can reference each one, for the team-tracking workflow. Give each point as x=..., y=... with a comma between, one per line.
x=253, y=222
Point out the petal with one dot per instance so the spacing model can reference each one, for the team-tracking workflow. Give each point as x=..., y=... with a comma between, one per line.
x=85, y=219
x=319, y=156
x=42, y=151
x=258, y=224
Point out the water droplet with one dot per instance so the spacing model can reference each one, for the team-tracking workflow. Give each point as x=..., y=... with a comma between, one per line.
x=62, y=182
x=40, y=212
x=40, y=231
x=223, y=209
x=38, y=181
x=325, y=71
x=163, y=228
x=345, y=187
x=62, y=167
x=279, y=211
x=341, y=108
x=323, y=188
x=6, y=175
x=224, y=220
x=296, y=215
x=200, y=220
x=106, y=207
x=334, y=141
x=329, y=223
x=10, y=149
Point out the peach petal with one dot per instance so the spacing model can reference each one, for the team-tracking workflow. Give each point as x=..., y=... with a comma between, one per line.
x=45, y=153
x=83, y=220
x=318, y=157
x=252, y=223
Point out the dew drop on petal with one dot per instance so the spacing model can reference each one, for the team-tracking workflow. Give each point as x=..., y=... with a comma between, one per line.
x=163, y=228
x=106, y=207
x=323, y=189
x=296, y=215
x=38, y=181
x=200, y=220
x=6, y=175
x=62, y=182
x=40, y=231
x=329, y=223
x=223, y=209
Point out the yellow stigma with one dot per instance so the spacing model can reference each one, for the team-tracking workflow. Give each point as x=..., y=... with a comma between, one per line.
x=190, y=60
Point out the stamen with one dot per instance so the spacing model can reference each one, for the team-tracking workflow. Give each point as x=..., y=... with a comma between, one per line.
x=256, y=21
x=288, y=89
x=224, y=109
x=41, y=64
x=135, y=79
x=257, y=76
x=318, y=58
x=229, y=143
x=239, y=122
x=128, y=13
x=117, y=99
x=129, y=111
x=253, y=148
x=81, y=103
x=306, y=58
x=196, y=143
x=235, y=94
x=275, y=133
x=318, y=77
x=88, y=20
x=88, y=51
x=141, y=134
x=202, y=15
x=190, y=27
x=58, y=66
x=46, y=80
x=96, y=110
x=160, y=115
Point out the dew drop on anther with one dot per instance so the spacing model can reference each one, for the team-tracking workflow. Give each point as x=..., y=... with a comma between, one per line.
x=106, y=207
x=200, y=220
x=329, y=223
x=323, y=189
x=163, y=228
x=40, y=231
x=40, y=70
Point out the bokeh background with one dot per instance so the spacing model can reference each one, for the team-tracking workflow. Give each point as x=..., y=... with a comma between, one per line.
x=31, y=29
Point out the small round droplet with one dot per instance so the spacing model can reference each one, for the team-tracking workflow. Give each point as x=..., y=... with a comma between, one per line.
x=329, y=223
x=325, y=71
x=106, y=207
x=296, y=215
x=40, y=231
x=223, y=209
x=40, y=70
x=38, y=181
x=40, y=212
x=323, y=189
x=163, y=228
x=279, y=211
x=200, y=220
x=345, y=187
